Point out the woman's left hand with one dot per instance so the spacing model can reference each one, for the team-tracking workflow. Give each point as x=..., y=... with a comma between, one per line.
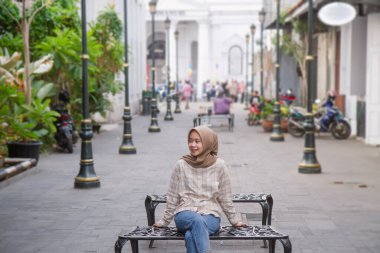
x=240, y=224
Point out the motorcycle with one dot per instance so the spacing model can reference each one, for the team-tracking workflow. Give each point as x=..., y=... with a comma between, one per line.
x=327, y=119
x=66, y=135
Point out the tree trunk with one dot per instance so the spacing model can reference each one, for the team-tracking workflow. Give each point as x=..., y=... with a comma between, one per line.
x=27, y=85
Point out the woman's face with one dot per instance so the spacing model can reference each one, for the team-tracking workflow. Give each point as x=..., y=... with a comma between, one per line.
x=195, y=144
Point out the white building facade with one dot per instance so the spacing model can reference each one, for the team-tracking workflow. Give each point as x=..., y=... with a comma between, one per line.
x=211, y=41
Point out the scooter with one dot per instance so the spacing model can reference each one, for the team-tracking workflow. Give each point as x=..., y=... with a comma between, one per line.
x=66, y=135
x=327, y=119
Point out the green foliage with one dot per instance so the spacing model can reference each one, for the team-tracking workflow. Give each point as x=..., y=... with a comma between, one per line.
x=10, y=32
x=60, y=15
x=23, y=122
x=8, y=24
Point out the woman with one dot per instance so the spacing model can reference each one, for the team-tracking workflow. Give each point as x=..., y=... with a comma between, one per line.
x=199, y=190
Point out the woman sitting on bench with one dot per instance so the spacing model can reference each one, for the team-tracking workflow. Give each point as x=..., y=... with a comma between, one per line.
x=199, y=191
x=222, y=104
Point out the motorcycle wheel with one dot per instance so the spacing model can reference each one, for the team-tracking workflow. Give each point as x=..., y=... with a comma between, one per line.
x=69, y=145
x=294, y=130
x=341, y=130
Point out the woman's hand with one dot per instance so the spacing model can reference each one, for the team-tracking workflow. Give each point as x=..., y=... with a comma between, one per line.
x=240, y=224
x=157, y=225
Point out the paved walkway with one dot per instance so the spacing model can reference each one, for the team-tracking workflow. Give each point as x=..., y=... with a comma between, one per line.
x=336, y=211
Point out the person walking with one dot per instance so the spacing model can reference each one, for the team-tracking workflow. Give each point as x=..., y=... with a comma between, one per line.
x=199, y=191
x=187, y=90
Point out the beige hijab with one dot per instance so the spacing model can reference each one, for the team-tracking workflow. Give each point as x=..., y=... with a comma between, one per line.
x=210, y=148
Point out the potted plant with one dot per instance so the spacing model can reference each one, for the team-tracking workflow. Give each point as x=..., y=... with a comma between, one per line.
x=268, y=116
x=23, y=125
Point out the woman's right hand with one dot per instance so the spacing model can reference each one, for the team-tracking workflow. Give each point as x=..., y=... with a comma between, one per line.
x=157, y=225
x=240, y=224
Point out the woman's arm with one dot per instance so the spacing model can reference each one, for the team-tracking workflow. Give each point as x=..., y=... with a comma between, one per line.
x=172, y=198
x=225, y=198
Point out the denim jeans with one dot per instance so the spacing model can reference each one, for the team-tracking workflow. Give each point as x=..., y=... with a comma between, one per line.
x=197, y=228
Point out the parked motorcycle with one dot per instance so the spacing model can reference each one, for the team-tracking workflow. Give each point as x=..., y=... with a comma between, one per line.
x=66, y=135
x=327, y=119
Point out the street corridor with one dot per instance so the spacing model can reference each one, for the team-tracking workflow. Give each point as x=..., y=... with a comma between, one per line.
x=337, y=211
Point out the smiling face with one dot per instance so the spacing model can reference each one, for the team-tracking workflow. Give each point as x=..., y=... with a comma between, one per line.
x=195, y=144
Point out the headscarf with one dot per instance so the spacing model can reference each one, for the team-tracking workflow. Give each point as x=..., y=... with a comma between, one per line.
x=210, y=148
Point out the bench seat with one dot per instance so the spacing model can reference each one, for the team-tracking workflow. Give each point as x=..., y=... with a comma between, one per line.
x=148, y=233
x=206, y=119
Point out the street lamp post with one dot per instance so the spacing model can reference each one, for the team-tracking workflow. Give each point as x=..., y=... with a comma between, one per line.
x=246, y=72
x=126, y=146
x=309, y=163
x=253, y=29
x=168, y=115
x=277, y=134
x=153, y=128
x=177, y=102
x=262, y=19
x=86, y=177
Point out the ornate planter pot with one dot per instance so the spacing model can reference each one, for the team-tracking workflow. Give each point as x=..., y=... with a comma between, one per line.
x=29, y=149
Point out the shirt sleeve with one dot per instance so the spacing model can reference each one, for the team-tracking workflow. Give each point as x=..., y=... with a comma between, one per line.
x=172, y=197
x=225, y=196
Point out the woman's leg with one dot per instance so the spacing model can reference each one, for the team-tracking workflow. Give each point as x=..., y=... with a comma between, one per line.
x=197, y=229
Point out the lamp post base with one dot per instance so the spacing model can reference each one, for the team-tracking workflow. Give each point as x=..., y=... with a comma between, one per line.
x=127, y=149
x=309, y=168
x=277, y=137
x=154, y=129
x=86, y=183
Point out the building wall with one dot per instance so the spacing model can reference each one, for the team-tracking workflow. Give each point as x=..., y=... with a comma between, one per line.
x=137, y=57
x=372, y=83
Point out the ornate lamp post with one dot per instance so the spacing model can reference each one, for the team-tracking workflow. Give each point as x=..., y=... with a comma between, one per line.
x=262, y=19
x=246, y=72
x=253, y=29
x=177, y=102
x=168, y=115
x=86, y=177
x=309, y=163
x=153, y=128
x=276, y=134
x=127, y=143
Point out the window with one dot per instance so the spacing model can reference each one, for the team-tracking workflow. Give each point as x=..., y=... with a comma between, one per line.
x=159, y=50
x=235, y=61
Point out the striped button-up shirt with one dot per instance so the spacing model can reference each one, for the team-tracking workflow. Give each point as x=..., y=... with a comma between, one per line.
x=203, y=190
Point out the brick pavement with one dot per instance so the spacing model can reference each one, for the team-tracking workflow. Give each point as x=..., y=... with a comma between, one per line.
x=328, y=212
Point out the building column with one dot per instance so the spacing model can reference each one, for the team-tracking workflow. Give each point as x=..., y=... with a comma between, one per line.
x=203, y=55
x=373, y=77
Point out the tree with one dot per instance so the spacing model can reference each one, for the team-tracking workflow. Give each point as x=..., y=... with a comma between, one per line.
x=24, y=23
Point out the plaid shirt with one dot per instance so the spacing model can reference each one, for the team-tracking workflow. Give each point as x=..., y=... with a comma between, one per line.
x=202, y=190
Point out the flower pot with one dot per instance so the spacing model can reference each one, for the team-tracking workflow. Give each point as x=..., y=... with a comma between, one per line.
x=29, y=149
x=267, y=125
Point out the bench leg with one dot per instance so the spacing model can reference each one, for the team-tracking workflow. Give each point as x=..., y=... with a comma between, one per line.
x=150, y=209
x=272, y=246
x=119, y=244
x=265, y=208
x=287, y=245
x=135, y=246
x=229, y=124
x=270, y=205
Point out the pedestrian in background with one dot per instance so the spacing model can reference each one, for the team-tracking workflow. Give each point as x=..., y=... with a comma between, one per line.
x=199, y=191
x=187, y=90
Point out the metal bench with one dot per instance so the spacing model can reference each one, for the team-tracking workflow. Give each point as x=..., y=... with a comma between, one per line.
x=207, y=118
x=265, y=201
x=148, y=233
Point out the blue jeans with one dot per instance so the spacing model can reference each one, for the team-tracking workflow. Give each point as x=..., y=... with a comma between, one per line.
x=197, y=228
